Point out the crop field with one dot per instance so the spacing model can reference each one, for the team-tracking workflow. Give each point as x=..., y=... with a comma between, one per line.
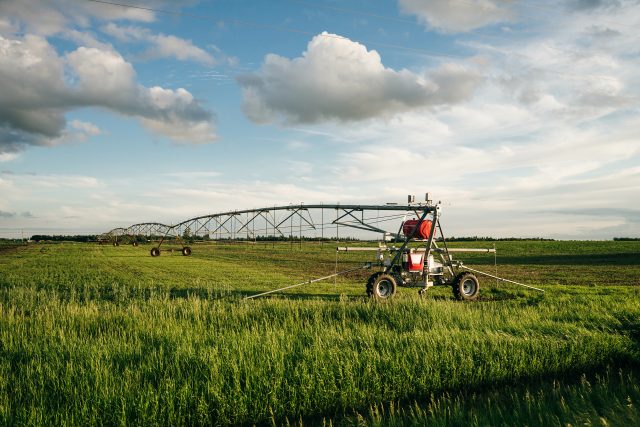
x=94, y=334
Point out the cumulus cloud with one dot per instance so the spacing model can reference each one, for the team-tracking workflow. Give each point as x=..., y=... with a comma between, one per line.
x=339, y=79
x=39, y=87
x=162, y=46
x=452, y=16
x=581, y=68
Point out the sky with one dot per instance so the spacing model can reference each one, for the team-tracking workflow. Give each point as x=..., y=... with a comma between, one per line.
x=521, y=117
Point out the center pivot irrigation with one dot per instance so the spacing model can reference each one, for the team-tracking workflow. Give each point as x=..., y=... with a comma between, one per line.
x=415, y=255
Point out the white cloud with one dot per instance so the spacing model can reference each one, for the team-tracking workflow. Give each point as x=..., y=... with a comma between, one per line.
x=39, y=88
x=6, y=27
x=338, y=79
x=172, y=46
x=85, y=127
x=102, y=74
x=85, y=39
x=7, y=157
x=509, y=177
x=57, y=16
x=66, y=181
x=457, y=15
x=162, y=46
x=181, y=130
x=546, y=146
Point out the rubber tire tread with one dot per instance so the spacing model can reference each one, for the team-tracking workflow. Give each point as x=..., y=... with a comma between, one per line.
x=457, y=284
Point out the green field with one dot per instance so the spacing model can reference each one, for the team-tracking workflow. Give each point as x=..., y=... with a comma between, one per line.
x=95, y=334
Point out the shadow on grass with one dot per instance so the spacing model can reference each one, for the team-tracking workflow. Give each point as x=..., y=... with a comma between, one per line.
x=603, y=392
x=481, y=299
x=629, y=258
x=631, y=327
x=11, y=248
x=123, y=295
x=296, y=296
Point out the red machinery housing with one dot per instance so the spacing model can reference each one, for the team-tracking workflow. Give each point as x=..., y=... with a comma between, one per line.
x=424, y=229
x=415, y=262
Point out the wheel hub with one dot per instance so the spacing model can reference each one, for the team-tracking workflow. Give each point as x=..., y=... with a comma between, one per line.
x=468, y=287
x=384, y=287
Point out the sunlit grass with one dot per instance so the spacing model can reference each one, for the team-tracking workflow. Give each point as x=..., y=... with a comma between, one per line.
x=96, y=334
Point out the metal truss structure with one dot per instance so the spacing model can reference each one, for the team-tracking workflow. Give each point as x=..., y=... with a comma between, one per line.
x=317, y=221
x=421, y=266
x=132, y=233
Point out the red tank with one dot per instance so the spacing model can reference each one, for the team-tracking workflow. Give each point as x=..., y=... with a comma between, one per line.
x=423, y=230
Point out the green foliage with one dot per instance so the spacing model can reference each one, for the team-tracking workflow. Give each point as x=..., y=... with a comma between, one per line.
x=609, y=397
x=95, y=334
x=61, y=238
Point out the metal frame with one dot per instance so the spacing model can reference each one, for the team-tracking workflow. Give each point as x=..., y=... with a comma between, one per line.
x=278, y=222
x=132, y=232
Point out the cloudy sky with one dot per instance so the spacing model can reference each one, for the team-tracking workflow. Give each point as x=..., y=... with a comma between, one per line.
x=522, y=117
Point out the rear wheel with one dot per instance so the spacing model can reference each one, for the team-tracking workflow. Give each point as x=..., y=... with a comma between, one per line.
x=155, y=252
x=382, y=287
x=466, y=287
x=186, y=251
x=370, y=281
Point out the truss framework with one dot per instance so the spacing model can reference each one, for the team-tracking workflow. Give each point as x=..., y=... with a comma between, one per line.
x=316, y=220
x=146, y=229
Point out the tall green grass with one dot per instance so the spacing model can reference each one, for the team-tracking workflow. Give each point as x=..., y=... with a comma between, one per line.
x=101, y=335
x=609, y=397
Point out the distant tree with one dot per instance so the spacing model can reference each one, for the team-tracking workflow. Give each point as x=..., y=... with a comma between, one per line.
x=59, y=238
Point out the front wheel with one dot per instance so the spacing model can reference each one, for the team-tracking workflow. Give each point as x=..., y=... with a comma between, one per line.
x=155, y=252
x=186, y=251
x=466, y=287
x=383, y=286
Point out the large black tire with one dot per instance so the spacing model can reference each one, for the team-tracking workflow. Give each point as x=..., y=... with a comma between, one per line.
x=382, y=287
x=186, y=251
x=155, y=252
x=466, y=287
x=370, y=281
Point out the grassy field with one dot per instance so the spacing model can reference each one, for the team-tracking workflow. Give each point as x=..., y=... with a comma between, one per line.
x=103, y=335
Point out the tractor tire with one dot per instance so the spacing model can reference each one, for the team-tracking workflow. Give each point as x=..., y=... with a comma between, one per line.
x=135, y=243
x=155, y=252
x=466, y=287
x=186, y=251
x=370, y=281
x=383, y=287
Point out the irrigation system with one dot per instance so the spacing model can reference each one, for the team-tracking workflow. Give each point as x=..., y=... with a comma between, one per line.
x=412, y=250
x=320, y=221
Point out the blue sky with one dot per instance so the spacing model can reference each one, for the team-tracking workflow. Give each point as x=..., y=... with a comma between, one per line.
x=521, y=116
